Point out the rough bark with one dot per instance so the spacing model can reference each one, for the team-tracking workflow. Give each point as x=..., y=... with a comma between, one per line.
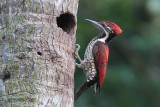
x=37, y=43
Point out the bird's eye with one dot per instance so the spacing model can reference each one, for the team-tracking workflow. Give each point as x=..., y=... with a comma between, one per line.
x=108, y=28
x=104, y=25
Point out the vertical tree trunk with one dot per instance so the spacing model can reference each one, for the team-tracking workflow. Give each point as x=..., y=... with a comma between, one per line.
x=37, y=43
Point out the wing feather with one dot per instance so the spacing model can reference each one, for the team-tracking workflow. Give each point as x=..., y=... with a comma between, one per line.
x=101, y=53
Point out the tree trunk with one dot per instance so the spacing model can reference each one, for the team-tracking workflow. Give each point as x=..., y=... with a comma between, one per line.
x=37, y=43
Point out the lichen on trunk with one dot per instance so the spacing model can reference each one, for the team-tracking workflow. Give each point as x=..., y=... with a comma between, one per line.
x=37, y=52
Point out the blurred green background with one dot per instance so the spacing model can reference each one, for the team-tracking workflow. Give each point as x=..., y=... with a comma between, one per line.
x=133, y=73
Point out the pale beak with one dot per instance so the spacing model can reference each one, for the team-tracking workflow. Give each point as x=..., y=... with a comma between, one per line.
x=97, y=25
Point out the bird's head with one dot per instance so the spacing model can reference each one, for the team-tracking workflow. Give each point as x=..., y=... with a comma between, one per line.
x=108, y=30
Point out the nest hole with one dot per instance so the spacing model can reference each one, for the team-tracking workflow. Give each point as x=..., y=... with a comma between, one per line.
x=6, y=76
x=67, y=22
x=39, y=53
x=3, y=37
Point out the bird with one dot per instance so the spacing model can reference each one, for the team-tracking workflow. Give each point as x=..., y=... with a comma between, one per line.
x=96, y=55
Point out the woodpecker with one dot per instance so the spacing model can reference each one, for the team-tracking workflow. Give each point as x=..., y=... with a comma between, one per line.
x=96, y=55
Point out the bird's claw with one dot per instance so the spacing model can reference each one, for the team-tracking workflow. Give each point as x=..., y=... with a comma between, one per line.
x=79, y=65
x=78, y=46
x=77, y=49
x=77, y=56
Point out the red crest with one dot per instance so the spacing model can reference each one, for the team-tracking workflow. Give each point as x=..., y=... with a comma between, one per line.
x=113, y=26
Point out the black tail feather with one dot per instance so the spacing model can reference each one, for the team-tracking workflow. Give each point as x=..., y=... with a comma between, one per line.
x=82, y=89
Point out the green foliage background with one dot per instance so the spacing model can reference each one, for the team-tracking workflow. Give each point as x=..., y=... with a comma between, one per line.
x=133, y=73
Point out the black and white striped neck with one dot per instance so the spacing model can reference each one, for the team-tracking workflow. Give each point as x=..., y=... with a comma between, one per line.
x=106, y=37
